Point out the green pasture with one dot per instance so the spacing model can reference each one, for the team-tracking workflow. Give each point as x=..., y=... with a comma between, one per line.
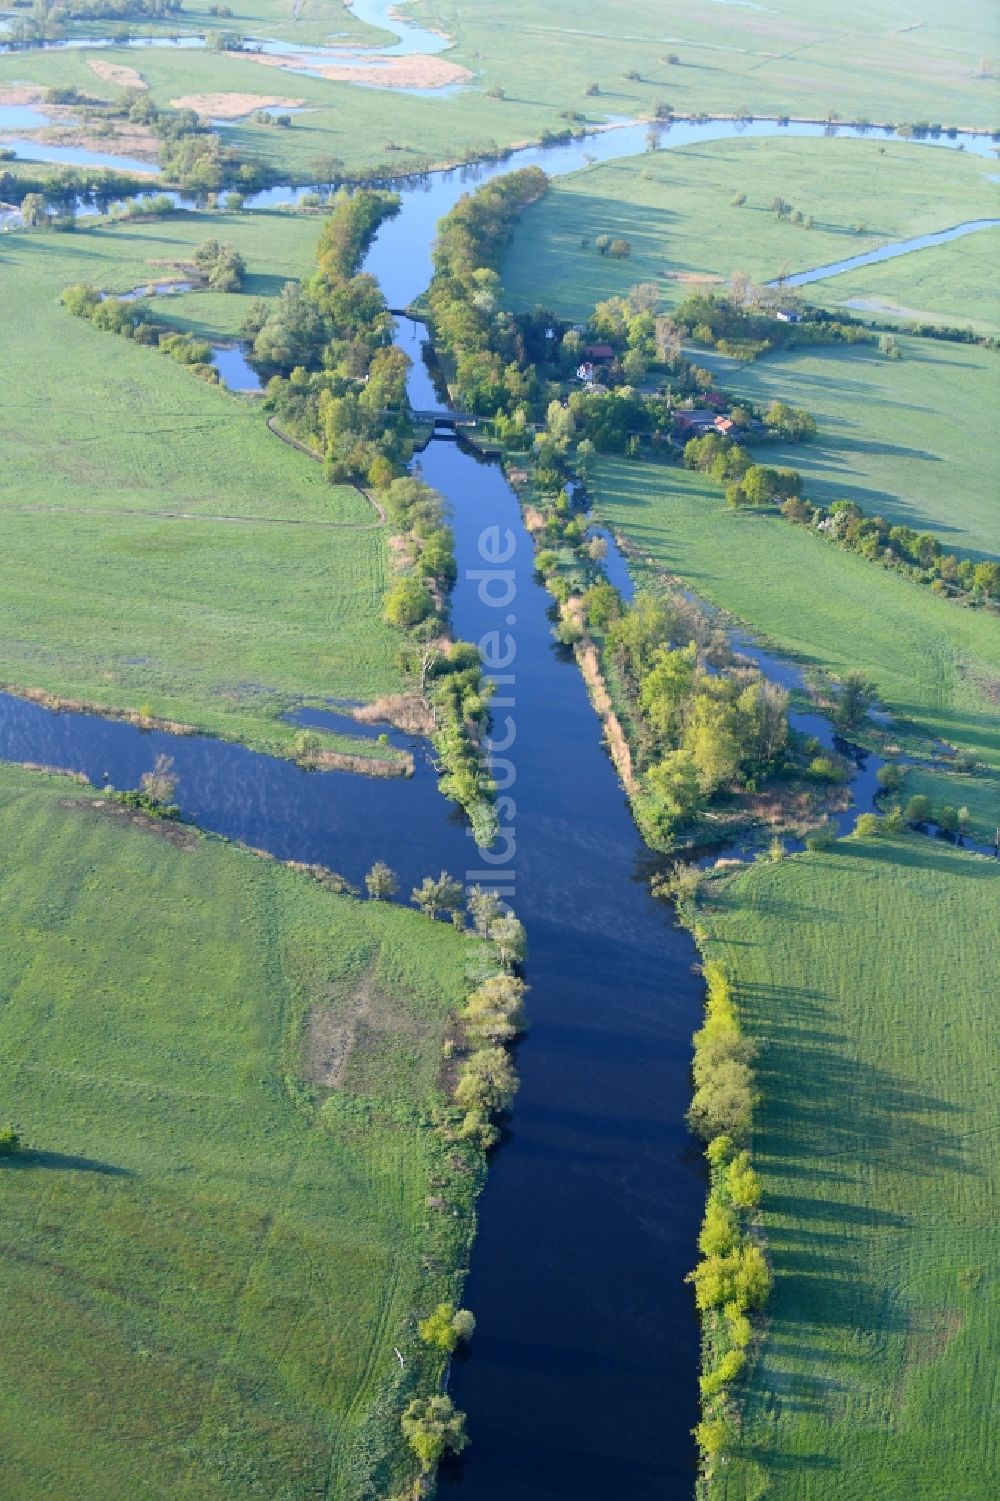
x=916, y=440
x=676, y=209
x=205, y=1273
x=219, y=623
x=796, y=56
x=788, y=58
x=934, y=663
x=864, y=976
x=954, y=284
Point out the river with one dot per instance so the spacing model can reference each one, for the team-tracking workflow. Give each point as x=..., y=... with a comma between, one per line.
x=582, y=1379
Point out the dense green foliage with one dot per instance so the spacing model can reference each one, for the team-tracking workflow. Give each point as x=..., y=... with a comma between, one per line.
x=338, y=383
x=213, y=1244
x=862, y=975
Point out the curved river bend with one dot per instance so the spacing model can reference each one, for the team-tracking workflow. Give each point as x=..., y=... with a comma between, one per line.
x=581, y=1383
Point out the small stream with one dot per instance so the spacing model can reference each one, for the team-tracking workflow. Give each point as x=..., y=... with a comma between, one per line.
x=581, y=1382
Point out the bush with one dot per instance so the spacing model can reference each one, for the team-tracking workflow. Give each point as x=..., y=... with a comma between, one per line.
x=408, y=603
x=10, y=1141
x=867, y=824
x=918, y=810
x=822, y=837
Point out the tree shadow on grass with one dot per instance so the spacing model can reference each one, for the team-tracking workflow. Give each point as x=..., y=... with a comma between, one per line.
x=62, y=1162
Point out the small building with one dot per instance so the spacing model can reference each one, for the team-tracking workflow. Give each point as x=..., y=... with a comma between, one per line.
x=601, y=354
x=724, y=425
x=586, y=372
x=788, y=315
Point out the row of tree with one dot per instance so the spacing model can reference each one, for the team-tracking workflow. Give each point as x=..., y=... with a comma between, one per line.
x=492, y=368
x=337, y=382
x=732, y=1280
x=919, y=555
x=484, y=1085
x=131, y=320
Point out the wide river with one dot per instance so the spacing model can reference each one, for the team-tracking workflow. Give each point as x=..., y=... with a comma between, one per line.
x=582, y=1379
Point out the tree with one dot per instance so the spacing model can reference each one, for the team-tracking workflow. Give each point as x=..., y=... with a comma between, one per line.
x=160, y=784
x=487, y=1081
x=436, y=896
x=918, y=809
x=866, y=825
x=494, y=1012
x=408, y=602
x=947, y=819
x=742, y=1183
x=33, y=210
x=719, y=1230
x=603, y=244
x=11, y=1141
x=381, y=882
x=510, y=940
x=856, y=696
x=431, y=1426
x=484, y=905
x=620, y=249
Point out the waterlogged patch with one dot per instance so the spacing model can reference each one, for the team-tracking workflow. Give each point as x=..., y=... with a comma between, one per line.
x=233, y=106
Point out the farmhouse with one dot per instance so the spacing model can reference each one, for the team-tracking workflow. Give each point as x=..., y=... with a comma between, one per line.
x=788, y=315
x=694, y=424
x=601, y=354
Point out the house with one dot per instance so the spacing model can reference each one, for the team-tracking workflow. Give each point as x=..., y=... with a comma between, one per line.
x=788, y=315
x=724, y=425
x=601, y=354
x=586, y=372
x=694, y=424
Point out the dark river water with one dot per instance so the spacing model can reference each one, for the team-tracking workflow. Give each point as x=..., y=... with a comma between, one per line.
x=581, y=1384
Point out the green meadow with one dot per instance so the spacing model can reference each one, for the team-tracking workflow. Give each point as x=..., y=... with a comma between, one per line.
x=866, y=59
x=934, y=663
x=863, y=974
x=208, y=1254
x=676, y=209
x=546, y=58
x=215, y=622
x=916, y=439
x=954, y=284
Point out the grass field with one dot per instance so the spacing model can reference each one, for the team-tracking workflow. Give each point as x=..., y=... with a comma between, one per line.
x=915, y=439
x=216, y=623
x=790, y=55
x=934, y=663
x=676, y=209
x=204, y=1272
x=787, y=58
x=955, y=284
x=864, y=975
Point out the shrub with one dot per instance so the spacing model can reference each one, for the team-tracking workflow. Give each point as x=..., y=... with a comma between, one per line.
x=10, y=1141
x=867, y=824
x=918, y=809
x=432, y=1425
x=822, y=837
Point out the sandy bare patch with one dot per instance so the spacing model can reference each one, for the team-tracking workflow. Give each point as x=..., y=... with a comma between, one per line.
x=621, y=755
x=417, y=71
x=692, y=278
x=126, y=78
x=20, y=93
x=232, y=106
